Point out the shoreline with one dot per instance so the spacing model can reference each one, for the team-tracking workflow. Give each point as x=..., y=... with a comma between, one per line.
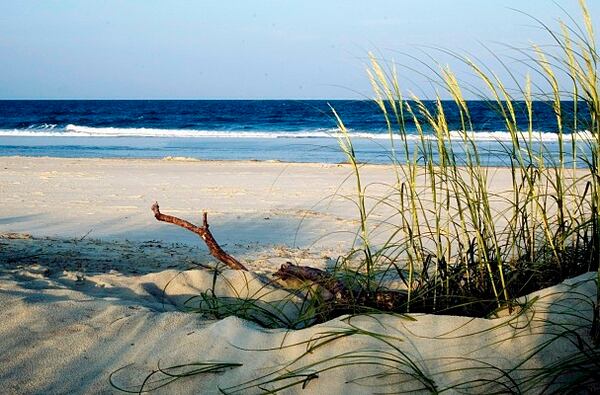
x=185, y=159
x=288, y=150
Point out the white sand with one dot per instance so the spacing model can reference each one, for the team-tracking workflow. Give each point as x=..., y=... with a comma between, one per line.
x=76, y=310
x=252, y=206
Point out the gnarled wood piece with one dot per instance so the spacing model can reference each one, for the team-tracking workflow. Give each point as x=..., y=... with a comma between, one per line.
x=314, y=275
x=213, y=247
x=382, y=299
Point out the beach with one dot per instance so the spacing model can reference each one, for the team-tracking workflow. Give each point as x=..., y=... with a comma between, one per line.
x=204, y=199
x=93, y=287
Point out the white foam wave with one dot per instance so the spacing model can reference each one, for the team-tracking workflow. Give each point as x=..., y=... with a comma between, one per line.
x=32, y=133
x=502, y=136
x=88, y=131
x=44, y=126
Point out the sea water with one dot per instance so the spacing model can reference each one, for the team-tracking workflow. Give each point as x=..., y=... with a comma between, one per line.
x=283, y=130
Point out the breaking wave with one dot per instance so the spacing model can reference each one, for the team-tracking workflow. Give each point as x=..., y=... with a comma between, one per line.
x=50, y=130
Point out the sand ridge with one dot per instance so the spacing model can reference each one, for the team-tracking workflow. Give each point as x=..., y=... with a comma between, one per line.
x=65, y=332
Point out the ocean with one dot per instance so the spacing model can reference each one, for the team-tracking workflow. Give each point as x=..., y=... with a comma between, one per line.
x=280, y=130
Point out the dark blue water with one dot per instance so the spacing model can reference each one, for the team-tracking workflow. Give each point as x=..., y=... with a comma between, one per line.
x=287, y=130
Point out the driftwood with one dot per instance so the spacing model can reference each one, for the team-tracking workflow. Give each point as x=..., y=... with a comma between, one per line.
x=213, y=247
x=381, y=299
x=314, y=275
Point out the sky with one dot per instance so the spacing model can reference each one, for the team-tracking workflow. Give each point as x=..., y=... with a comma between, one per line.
x=245, y=49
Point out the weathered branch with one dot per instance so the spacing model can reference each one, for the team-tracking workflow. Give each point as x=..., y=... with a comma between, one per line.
x=213, y=247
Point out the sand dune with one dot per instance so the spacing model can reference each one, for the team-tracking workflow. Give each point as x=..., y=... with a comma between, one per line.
x=63, y=333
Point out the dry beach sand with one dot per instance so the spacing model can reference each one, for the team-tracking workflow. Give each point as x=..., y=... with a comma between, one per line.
x=91, y=283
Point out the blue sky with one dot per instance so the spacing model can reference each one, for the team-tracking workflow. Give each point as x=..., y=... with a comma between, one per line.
x=241, y=49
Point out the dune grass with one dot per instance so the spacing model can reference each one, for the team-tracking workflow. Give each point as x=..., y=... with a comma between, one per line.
x=467, y=249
